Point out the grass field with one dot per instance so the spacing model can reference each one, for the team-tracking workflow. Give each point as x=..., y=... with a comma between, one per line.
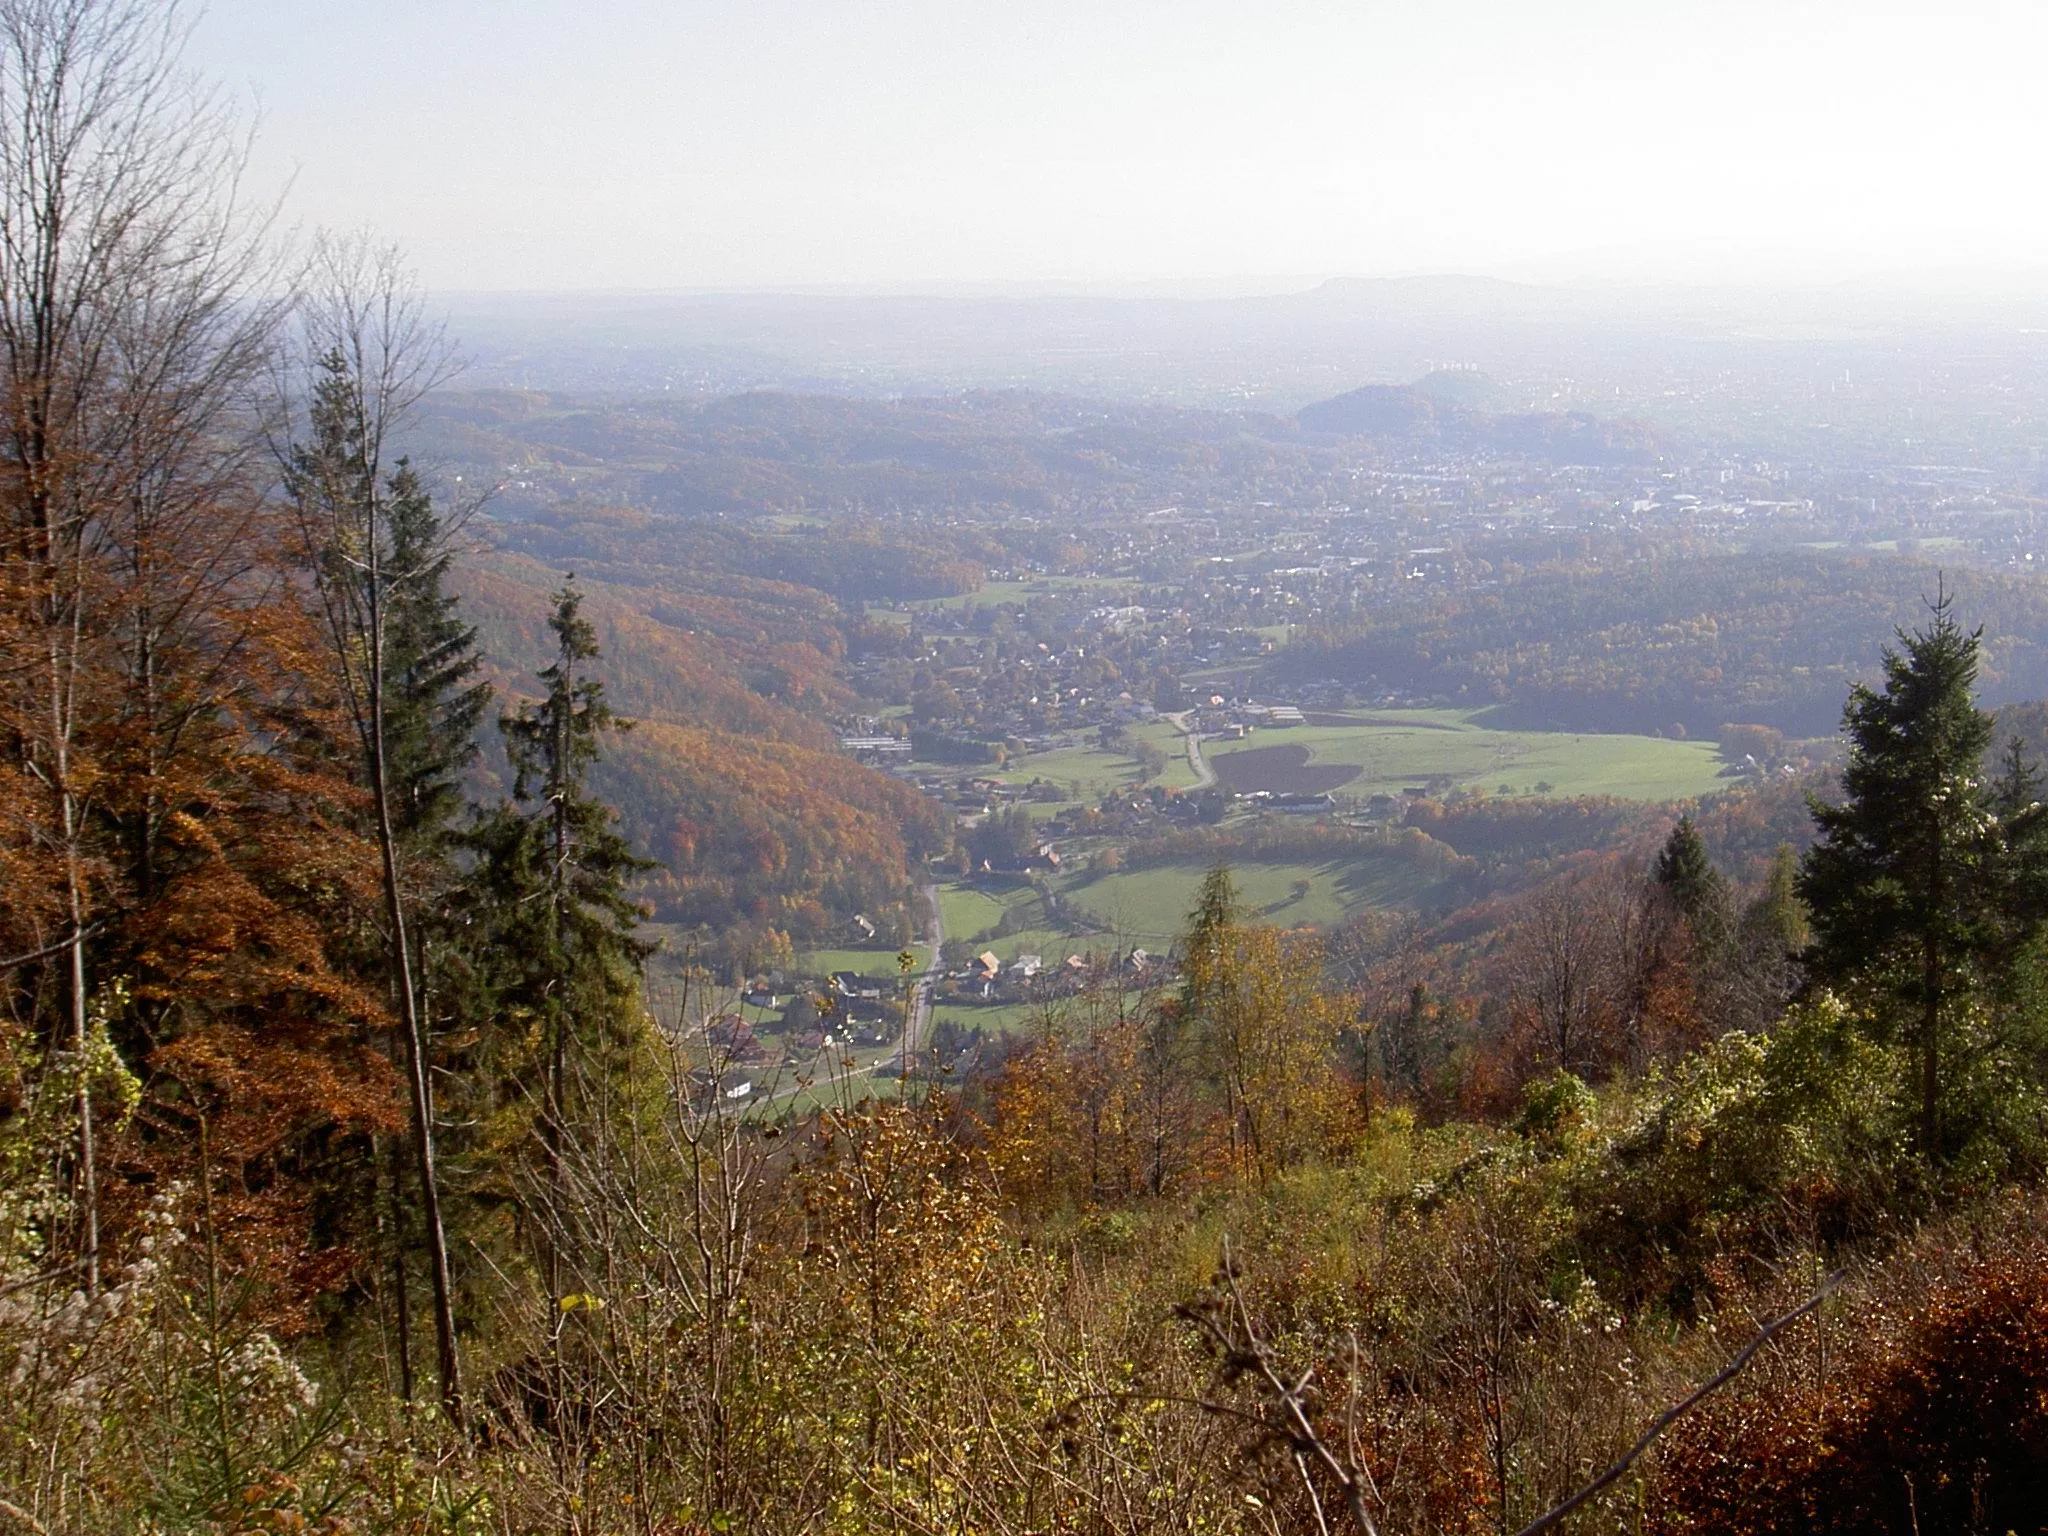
x=970, y=911
x=862, y=962
x=1150, y=906
x=967, y=911
x=1167, y=739
x=1393, y=749
x=1085, y=773
x=990, y=1018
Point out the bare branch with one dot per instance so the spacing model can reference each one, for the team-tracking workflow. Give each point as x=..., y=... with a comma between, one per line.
x=1672, y=1415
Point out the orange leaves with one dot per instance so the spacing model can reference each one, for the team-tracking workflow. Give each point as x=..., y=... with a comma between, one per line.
x=1067, y=1120
x=752, y=829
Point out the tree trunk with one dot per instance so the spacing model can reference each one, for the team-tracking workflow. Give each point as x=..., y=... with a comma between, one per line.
x=448, y=1361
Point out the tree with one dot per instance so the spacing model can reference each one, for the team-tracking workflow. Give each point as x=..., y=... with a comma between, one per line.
x=433, y=703
x=1761, y=969
x=1906, y=884
x=369, y=544
x=1557, y=973
x=126, y=338
x=1269, y=1033
x=1687, y=876
x=432, y=706
x=551, y=890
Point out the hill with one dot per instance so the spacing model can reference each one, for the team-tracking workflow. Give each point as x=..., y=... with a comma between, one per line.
x=730, y=778
x=1431, y=414
x=1658, y=639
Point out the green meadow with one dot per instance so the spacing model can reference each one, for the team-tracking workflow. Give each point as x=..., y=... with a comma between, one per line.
x=1150, y=906
x=1394, y=749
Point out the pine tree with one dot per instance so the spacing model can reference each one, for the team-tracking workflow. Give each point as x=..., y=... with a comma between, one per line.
x=551, y=887
x=433, y=704
x=1687, y=876
x=1903, y=883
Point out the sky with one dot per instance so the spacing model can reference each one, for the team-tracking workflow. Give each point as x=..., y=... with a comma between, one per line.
x=907, y=144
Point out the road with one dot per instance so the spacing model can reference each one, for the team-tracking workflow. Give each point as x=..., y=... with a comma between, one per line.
x=1204, y=774
x=918, y=1027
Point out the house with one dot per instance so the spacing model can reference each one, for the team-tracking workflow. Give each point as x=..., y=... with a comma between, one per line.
x=852, y=984
x=1026, y=966
x=986, y=965
x=734, y=1039
x=1300, y=804
x=710, y=1089
x=861, y=1010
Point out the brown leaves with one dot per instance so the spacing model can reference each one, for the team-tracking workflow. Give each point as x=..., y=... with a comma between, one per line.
x=1922, y=1405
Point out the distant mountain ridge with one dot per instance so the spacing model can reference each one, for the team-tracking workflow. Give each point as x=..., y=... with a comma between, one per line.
x=1412, y=413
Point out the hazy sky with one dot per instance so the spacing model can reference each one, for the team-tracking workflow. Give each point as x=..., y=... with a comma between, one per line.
x=761, y=143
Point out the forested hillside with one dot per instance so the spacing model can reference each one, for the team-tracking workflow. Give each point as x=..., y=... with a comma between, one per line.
x=830, y=455
x=1420, y=415
x=1698, y=639
x=731, y=778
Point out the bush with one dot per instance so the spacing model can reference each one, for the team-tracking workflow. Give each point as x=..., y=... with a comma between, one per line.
x=1802, y=1124
x=1927, y=1411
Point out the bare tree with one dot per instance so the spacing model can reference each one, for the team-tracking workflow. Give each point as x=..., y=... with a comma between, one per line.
x=127, y=339
x=367, y=356
x=1557, y=971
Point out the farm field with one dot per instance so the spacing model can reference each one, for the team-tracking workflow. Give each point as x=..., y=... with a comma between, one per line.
x=990, y=1018
x=1083, y=774
x=1150, y=906
x=971, y=911
x=1386, y=751
x=1163, y=735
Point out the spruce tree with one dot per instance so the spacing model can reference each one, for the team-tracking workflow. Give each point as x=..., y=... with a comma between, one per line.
x=433, y=703
x=553, y=872
x=432, y=706
x=344, y=506
x=1903, y=884
x=1688, y=878
x=1774, y=924
x=1205, y=947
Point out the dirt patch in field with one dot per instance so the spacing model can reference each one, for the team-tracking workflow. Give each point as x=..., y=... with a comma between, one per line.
x=1282, y=770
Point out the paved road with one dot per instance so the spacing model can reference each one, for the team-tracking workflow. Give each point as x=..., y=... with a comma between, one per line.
x=918, y=1028
x=1204, y=774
